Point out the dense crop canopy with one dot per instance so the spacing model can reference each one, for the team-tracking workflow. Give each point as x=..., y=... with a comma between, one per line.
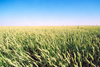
x=50, y=46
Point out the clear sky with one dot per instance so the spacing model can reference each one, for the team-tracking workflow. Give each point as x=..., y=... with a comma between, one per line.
x=49, y=12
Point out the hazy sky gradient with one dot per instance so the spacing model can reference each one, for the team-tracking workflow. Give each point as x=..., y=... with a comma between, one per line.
x=49, y=12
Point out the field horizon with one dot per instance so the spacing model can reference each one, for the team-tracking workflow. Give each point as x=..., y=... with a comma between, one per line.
x=51, y=25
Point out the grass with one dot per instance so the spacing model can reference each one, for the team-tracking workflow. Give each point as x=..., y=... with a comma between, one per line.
x=50, y=46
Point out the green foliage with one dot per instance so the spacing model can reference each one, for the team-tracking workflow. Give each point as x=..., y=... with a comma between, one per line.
x=50, y=46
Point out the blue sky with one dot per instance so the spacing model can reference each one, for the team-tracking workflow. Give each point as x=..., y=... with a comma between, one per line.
x=49, y=12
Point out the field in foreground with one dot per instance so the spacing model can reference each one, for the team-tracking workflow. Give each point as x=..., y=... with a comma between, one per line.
x=50, y=46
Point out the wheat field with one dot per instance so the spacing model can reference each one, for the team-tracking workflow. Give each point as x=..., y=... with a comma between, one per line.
x=50, y=46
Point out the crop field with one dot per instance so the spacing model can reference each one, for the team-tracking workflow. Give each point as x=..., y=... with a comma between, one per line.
x=50, y=46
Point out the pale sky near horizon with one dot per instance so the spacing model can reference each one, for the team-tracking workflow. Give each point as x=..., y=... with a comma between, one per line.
x=49, y=12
